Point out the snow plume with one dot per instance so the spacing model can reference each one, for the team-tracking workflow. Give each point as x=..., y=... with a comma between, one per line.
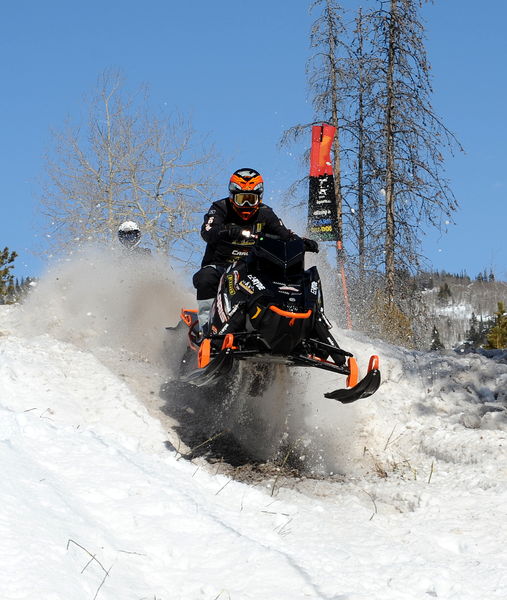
x=424, y=400
x=279, y=413
x=107, y=297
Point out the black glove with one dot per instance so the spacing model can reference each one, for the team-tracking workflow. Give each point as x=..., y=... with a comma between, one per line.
x=310, y=245
x=233, y=232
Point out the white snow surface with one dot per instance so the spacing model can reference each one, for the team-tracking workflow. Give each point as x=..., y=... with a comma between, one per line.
x=93, y=504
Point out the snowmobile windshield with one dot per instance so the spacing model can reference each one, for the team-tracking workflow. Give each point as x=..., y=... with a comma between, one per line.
x=278, y=259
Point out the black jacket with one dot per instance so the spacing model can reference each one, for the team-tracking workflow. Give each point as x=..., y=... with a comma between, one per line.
x=220, y=249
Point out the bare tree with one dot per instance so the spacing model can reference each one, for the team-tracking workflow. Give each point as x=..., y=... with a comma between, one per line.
x=326, y=79
x=127, y=163
x=415, y=190
x=342, y=73
x=361, y=152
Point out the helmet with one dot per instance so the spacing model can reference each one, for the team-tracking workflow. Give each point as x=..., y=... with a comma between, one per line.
x=129, y=234
x=245, y=192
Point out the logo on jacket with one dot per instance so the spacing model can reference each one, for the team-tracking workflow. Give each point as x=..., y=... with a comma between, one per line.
x=256, y=282
x=208, y=224
x=246, y=287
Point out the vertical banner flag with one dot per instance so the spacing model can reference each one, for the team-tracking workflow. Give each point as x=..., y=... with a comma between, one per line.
x=322, y=212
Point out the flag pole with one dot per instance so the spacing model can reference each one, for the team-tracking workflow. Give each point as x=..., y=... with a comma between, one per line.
x=341, y=262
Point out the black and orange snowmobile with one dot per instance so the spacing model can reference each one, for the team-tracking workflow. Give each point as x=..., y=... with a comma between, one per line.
x=270, y=309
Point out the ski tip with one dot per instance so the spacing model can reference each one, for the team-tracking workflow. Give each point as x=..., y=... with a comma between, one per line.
x=204, y=354
x=188, y=316
x=366, y=387
x=353, y=377
x=374, y=362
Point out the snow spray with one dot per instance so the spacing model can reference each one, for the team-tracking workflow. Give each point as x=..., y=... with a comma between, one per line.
x=107, y=297
x=109, y=300
x=279, y=414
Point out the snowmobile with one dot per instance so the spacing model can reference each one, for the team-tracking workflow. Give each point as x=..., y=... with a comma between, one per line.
x=270, y=309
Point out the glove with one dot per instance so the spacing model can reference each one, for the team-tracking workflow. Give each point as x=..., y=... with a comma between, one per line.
x=233, y=232
x=310, y=245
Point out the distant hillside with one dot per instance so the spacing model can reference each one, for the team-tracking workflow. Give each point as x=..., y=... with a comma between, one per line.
x=452, y=299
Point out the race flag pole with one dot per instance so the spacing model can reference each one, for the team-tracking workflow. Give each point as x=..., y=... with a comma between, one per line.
x=322, y=209
x=341, y=260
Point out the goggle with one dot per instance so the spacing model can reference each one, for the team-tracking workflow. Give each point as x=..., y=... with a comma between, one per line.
x=130, y=236
x=246, y=199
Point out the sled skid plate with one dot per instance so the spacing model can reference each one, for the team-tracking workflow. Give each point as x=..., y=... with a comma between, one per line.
x=364, y=388
x=215, y=370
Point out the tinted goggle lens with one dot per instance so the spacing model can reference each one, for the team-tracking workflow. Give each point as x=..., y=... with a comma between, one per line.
x=246, y=199
x=130, y=236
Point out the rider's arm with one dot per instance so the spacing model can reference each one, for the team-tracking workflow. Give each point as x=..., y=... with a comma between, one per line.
x=214, y=221
x=275, y=226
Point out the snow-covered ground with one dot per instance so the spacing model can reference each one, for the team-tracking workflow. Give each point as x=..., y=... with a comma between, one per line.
x=95, y=504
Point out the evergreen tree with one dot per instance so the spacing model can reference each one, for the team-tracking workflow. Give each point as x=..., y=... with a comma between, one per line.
x=444, y=294
x=436, y=344
x=6, y=277
x=497, y=335
x=24, y=288
x=476, y=334
x=473, y=335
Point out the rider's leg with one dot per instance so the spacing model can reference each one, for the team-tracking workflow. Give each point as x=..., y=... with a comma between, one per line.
x=206, y=282
x=203, y=311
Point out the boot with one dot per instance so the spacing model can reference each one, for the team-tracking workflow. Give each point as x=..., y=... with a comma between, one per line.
x=204, y=308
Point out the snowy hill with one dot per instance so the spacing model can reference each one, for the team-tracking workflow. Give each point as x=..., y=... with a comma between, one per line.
x=451, y=313
x=96, y=504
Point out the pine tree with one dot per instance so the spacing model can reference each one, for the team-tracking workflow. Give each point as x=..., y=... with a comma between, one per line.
x=6, y=278
x=444, y=294
x=473, y=335
x=436, y=344
x=497, y=335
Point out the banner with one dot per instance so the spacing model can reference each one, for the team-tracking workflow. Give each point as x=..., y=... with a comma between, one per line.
x=322, y=212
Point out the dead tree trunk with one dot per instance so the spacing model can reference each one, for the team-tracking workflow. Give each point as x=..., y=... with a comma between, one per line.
x=360, y=151
x=390, y=160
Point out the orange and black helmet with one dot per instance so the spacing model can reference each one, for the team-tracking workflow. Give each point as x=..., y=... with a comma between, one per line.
x=246, y=187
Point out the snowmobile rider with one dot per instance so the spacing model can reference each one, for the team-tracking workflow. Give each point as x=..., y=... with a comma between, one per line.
x=129, y=235
x=230, y=228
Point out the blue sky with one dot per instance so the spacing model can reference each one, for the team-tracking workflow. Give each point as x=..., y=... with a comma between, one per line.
x=238, y=69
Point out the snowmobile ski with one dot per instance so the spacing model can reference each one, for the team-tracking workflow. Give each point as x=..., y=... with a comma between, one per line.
x=368, y=385
x=214, y=370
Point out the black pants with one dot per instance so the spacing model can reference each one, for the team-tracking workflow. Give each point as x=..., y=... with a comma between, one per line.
x=206, y=281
